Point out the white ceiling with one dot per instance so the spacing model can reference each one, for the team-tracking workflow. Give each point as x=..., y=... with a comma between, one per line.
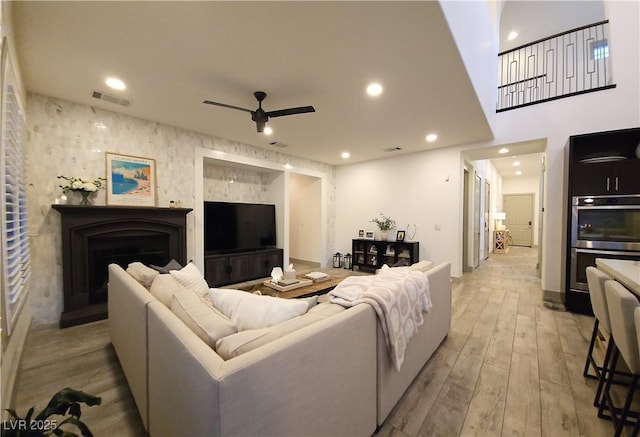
x=174, y=55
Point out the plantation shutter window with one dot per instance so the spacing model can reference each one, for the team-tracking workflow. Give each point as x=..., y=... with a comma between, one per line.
x=15, y=242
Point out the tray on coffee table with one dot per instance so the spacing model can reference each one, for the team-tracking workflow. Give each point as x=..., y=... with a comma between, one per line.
x=301, y=283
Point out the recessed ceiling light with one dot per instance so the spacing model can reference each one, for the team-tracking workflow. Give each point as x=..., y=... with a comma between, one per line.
x=288, y=166
x=268, y=130
x=512, y=35
x=516, y=163
x=346, y=155
x=518, y=173
x=503, y=150
x=374, y=89
x=431, y=138
x=115, y=83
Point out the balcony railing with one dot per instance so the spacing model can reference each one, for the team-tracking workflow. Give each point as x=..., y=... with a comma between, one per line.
x=563, y=65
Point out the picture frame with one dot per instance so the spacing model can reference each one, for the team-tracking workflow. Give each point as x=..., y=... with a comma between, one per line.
x=131, y=180
x=369, y=235
x=400, y=235
x=360, y=233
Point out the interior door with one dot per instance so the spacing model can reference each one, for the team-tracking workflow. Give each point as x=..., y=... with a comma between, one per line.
x=477, y=189
x=487, y=197
x=519, y=211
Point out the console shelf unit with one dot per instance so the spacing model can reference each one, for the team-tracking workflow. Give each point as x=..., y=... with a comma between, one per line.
x=373, y=254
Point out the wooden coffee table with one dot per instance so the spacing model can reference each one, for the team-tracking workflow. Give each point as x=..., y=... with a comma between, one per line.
x=315, y=288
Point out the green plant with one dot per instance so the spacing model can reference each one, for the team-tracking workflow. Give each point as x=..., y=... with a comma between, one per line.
x=384, y=223
x=66, y=402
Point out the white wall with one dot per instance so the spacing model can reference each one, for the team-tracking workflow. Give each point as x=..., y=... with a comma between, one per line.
x=422, y=189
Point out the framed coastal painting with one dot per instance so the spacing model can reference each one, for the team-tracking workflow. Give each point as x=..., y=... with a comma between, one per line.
x=131, y=180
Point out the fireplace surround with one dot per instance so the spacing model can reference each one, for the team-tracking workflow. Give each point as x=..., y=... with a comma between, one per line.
x=95, y=236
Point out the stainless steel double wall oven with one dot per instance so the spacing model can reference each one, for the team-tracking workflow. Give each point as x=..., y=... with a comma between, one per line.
x=602, y=227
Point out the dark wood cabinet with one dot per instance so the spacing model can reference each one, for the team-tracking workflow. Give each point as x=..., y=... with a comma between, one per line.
x=232, y=268
x=373, y=254
x=604, y=163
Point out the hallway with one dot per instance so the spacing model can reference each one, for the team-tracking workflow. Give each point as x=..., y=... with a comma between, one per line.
x=510, y=366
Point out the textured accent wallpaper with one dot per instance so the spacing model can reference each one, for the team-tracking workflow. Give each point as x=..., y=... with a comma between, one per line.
x=70, y=139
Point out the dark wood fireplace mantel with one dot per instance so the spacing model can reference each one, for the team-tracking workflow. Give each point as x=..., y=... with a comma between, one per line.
x=95, y=236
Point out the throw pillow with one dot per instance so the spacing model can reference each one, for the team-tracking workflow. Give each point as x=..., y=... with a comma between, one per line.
x=172, y=265
x=164, y=287
x=190, y=277
x=142, y=273
x=202, y=320
x=251, y=311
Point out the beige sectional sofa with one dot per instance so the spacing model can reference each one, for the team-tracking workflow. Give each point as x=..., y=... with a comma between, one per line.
x=330, y=375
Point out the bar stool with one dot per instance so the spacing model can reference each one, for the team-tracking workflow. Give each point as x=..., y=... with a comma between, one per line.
x=596, y=279
x=622, y=305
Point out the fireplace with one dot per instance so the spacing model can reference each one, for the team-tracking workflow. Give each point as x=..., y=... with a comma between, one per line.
x=95, y=236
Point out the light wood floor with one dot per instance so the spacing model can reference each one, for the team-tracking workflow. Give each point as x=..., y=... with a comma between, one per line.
x=509, y=366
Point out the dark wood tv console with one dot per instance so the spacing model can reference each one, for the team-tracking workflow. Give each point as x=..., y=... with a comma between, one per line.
x=231, y=268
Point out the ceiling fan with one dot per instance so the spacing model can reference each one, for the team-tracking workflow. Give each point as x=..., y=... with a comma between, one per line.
x=260, y=116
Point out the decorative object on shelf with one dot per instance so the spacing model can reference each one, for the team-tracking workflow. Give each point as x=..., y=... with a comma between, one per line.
x=347, y=261
x=385, y=224
x=368, y=235
x=411, y=234
x=83, y=186
x=131, y=180
x=62, y=200
x=498, y=217
x=400, y=235
x=337, y=260
x=360, y=233
x=276, y=275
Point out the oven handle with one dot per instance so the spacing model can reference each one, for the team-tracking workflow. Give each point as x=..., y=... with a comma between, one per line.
x=599, y=252
x=592, y=207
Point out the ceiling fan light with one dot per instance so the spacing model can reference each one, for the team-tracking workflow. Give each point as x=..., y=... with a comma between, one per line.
x=268, y=130
x=260, y=125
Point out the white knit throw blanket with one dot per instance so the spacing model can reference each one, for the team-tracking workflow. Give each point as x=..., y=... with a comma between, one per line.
x=398, y=295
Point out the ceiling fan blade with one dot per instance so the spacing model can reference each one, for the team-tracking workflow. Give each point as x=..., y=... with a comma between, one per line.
x=291, y=111
x=224, y=105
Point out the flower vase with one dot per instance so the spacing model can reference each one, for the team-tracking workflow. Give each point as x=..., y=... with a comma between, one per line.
x=383, y=235
x=85, y=198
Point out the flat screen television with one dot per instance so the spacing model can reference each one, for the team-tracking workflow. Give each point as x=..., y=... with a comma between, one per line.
x=237, y=227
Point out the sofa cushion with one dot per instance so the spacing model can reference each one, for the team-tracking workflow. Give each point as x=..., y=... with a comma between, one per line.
x=200, y=318
x=245, y=341
x=190, y=277
x=163, y=288
x=252, y=311
x=142, y=273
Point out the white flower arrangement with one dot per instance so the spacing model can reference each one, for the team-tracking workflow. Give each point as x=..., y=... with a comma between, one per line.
x=81, y=184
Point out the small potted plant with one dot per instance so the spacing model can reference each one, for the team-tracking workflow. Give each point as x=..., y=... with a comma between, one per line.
x=385, y=224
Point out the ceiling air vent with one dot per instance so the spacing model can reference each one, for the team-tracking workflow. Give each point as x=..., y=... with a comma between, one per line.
x=277, y=144
x=392, y=149
x=110, y=98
